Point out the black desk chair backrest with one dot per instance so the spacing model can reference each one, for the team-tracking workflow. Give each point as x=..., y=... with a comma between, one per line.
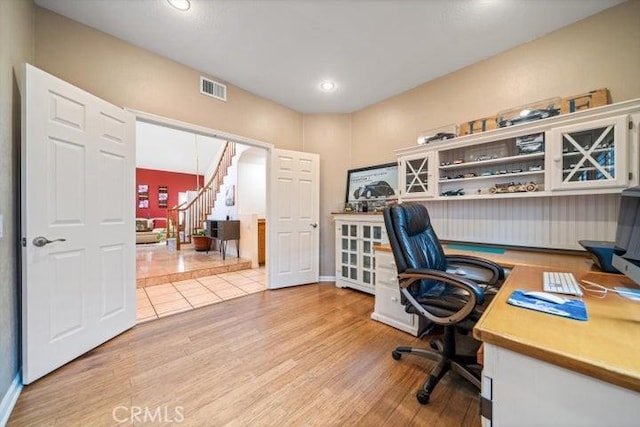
x=414, y=244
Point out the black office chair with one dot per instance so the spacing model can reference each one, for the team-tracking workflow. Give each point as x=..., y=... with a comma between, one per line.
x=428, y=290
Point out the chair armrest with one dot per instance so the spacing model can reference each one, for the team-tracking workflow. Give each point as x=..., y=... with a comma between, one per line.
x=495, y=269
x=476, y=295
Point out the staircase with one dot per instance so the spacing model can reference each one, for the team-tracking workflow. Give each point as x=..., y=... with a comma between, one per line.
x=187, y=219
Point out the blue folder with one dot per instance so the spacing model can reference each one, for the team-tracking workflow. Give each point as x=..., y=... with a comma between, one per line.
x=572, y=308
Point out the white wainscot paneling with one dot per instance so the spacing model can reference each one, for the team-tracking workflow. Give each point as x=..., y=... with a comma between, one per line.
x=549, y=222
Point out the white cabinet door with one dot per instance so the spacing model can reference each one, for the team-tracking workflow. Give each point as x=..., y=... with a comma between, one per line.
x=590, y=155
x=416, y=176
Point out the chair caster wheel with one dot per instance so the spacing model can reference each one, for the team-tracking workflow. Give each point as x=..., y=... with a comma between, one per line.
x=423, y=397
x=396, y=355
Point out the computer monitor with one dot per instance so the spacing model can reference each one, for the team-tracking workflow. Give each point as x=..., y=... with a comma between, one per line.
x=626, y=256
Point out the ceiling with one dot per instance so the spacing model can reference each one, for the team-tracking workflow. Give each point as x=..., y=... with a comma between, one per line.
x=167, y=149
x=283, y=49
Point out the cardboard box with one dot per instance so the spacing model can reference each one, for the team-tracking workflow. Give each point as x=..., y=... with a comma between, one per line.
x=583, y=101
x=477, y=126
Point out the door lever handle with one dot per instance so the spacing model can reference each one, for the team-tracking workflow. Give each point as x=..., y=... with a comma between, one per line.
x=314, y=225
x=40, y=241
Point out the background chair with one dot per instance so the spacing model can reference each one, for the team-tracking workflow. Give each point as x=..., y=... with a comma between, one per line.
x=443, y=298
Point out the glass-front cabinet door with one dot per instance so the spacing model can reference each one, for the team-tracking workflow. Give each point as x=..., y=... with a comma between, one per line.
x=416, y=176
x=356, y=237
x=348, y=235
x=590, y=155
x=371, y=236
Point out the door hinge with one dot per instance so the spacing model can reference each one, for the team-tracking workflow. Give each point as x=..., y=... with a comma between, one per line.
x=23, y=242
x=630, y=176
x=630, y=124
x=486, y=407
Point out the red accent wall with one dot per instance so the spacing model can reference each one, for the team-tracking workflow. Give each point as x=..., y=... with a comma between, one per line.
x=175, y=183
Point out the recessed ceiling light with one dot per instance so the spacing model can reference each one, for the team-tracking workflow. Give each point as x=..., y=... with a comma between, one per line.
x=327, y=86
x=180, y=4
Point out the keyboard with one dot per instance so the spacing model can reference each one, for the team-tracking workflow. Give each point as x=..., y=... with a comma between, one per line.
x=561, y=283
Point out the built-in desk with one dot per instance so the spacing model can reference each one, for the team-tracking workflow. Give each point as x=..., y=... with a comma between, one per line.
x=541, y=369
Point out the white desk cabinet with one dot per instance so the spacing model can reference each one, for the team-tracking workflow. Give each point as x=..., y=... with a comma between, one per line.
x=388, y=308
x=530, y=392
x=356, y=235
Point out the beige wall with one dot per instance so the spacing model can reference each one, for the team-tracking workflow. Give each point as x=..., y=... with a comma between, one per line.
x=329, y=135
x=600, y=51
x=16, y=47
x=131, y=77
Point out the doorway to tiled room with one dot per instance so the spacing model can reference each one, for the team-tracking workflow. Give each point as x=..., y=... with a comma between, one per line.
x=170, y=282
x=174, y=168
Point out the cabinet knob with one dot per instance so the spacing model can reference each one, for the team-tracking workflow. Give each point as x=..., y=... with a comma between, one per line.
x=394, y=299
x=557, y=159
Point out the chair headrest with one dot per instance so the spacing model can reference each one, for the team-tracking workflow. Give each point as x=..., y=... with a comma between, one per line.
x=414, y=218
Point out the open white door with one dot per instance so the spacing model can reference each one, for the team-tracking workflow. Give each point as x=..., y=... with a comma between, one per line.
x=78, y=260
x=294, y=203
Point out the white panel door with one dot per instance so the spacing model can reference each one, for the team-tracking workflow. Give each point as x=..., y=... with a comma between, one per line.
x=78, y=260
x=294, y=252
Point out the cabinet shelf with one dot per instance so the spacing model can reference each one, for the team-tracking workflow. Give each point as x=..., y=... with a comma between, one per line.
x=498, y=161
x=504, y=175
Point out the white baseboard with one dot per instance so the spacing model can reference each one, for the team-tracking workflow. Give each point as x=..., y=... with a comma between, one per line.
x=327, y=278
x=9, y=400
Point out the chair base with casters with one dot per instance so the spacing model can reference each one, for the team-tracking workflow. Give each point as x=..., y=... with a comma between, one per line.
x=445, y=354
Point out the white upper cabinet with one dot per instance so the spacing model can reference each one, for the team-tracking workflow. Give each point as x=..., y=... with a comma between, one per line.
x=416, y=176
x=588, y=152
x=592, y=154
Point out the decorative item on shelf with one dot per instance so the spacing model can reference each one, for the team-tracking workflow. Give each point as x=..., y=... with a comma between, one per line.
x=512, y=187
x=201, y=242
x=438, y=134
x=478, y=125
x=583, y=101
x=441, y=136
x=526, y=113
x=459, y=192
x=530, y=144
x=348, y=207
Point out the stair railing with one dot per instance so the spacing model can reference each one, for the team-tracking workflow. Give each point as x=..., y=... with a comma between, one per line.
x=189, y=217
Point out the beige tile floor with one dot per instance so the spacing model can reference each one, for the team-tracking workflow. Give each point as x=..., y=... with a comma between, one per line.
x=175, y=297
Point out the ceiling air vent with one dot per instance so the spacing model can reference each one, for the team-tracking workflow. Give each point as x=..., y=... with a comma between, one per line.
x=212, y=88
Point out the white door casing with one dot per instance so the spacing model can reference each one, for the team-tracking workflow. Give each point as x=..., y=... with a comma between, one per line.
x=78, y=181
x=294, y=203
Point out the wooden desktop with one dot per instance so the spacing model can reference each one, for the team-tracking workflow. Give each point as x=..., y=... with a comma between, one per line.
x=541, y=369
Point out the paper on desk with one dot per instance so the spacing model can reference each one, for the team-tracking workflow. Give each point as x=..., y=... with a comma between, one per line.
x=571, y=309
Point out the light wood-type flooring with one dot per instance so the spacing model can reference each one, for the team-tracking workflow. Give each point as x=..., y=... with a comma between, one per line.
x=308, y=355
